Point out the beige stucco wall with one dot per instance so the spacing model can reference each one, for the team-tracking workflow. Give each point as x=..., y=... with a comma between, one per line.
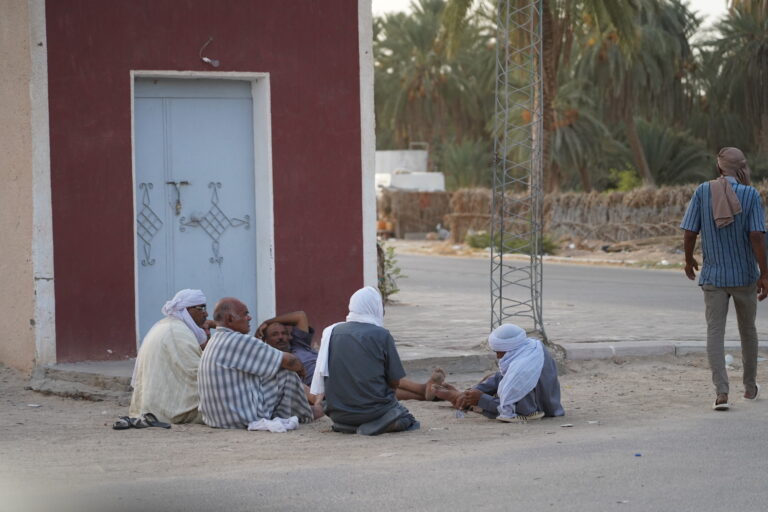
x=17, y=337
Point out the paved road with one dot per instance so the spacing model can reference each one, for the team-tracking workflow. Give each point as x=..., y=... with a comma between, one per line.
x=445, y=300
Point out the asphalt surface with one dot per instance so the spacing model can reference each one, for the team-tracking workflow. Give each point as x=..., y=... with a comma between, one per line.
x=701, y=462
x=581, y=303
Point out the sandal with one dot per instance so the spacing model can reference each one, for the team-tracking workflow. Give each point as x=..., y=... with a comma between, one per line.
x=722, y=406
x=137, y=423
x=123, y=423
x=150, y=420
x=757, y=393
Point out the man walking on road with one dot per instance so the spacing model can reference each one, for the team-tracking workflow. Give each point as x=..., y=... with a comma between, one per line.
x=728, y=214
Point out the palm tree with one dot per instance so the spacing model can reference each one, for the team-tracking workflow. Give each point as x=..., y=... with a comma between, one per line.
x=649, y=76
x=561, y=20
x=753, y=7
x=579, y=138
x=424, y=94
x=739, y=58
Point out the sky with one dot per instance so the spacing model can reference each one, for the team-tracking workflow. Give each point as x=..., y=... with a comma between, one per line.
x=710, y=9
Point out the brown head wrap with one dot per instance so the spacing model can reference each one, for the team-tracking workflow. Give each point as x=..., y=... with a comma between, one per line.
x=732, y=162
x=725, y=203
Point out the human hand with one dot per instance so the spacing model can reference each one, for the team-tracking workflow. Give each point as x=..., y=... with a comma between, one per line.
x=292, y=363
x=468, y=398
x=262, y=330
x=690, y=267
x=207, y=326
x=762, y=287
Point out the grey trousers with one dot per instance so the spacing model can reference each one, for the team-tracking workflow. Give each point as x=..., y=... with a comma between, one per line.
x=716, y=310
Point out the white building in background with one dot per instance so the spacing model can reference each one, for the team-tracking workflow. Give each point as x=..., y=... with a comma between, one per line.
x=406, y=169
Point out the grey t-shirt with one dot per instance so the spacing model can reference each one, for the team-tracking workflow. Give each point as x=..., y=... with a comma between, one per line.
x=362, y=360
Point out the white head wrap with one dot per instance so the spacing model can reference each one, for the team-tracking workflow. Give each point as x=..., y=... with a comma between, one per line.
x=521, y=365
x=178, y=305
x=365, y=306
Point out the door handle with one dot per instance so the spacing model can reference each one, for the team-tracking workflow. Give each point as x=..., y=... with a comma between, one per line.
x=177, y=186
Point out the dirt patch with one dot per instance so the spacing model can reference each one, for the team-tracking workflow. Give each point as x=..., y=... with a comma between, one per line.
x=589, y=252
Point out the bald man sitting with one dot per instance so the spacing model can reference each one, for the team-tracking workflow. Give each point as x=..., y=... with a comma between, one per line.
x=243, y=381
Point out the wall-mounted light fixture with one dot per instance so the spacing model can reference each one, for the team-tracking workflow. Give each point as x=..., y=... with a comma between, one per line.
x=213, y=62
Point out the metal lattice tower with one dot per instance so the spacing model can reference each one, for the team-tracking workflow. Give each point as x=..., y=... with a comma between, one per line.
x=516, y=216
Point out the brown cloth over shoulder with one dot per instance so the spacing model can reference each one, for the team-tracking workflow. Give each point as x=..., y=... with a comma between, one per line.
x=725, y=203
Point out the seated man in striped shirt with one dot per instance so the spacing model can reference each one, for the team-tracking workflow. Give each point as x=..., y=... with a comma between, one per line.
x=242, y=380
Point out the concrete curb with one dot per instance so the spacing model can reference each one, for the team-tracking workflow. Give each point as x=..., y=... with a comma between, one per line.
x=458, y=364
x=607, y=349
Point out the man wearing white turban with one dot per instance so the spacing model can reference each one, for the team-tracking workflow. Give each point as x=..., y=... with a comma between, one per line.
x=165, y=376
x=358, y=368
x=525, y=387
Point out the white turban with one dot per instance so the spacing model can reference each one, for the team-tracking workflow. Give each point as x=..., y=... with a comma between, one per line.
x=521, y=365
x=365, y=306
x=178, y=305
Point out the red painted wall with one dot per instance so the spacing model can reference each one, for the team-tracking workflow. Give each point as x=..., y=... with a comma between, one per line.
x=309, y=47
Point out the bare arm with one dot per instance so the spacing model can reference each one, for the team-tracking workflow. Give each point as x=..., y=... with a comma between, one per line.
x=292, y=363
x=757, y=240
x=689, y=243
x=297, y=318
x=394, y=384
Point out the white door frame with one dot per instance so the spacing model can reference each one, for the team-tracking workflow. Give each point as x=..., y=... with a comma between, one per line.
x=262, y=171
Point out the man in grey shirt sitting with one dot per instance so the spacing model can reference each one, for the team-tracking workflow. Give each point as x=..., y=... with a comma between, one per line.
x=291, y=332
x=359, y=369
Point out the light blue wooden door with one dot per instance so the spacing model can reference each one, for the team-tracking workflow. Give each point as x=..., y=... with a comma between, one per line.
x=195, y=208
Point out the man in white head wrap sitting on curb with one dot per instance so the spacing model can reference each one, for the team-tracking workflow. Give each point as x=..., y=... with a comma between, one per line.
x=525, y=387
x=165, y=376
x=358, y=368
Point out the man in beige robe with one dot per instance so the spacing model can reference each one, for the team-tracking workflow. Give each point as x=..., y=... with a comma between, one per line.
x=165, y=376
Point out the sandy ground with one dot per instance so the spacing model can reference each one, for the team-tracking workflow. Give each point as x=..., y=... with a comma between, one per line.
x=584, y=251
x=50, y=443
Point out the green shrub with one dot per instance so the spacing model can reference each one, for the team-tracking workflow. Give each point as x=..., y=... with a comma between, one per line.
x=388, y=271
x=482, y=240
x=623, y=181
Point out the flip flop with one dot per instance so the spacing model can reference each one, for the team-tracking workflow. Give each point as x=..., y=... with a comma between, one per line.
x=721, y=407
x=757, y=393
x=137, y=423
x=123, y=423
x=150, y=420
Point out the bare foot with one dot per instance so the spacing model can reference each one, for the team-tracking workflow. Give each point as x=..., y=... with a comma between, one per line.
x=443, y=393
x=317, y=411
x=436, y=379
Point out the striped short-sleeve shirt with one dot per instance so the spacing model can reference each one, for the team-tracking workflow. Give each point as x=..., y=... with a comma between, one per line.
x=237, y=379
x=728, y=257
